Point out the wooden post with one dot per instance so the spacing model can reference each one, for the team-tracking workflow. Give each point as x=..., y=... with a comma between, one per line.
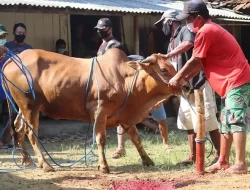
x=137, y=37
x=200, y=135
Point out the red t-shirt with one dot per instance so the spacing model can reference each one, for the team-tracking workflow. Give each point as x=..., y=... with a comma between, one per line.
x=223, y=61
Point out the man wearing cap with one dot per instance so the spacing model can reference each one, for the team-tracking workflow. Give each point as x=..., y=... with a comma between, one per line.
x=6, y=136
x=179, y=51
x=104, y=29
x=227, y=70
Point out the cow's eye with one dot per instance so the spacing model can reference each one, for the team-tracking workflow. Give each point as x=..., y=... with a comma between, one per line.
x=163, y=70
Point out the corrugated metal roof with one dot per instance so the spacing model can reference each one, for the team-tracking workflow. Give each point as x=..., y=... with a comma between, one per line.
x=130, y=6
x=213, y=12
x=127, y=6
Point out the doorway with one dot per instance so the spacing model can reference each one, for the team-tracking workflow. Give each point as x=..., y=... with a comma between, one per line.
x=85, y=41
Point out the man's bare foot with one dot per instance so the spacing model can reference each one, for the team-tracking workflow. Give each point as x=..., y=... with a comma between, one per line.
x=236, y=169
x=216, y=158
x=188, y=161
x=217, y=166
x=119, y=153
x=168, y=147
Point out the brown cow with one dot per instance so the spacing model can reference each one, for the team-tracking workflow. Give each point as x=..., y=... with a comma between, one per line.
x=60, y=84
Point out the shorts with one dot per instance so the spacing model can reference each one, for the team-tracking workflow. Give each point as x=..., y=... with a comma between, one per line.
x=159, y=113
x=234, y=110
x=187, y=112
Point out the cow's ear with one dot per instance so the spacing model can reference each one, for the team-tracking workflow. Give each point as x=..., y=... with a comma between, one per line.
x=133, y=64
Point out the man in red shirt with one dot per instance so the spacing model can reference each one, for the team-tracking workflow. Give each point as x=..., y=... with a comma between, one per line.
x=227, y=70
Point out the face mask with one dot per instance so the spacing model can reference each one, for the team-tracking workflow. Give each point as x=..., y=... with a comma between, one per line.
x=103, y=34
x=3, y=41
x=61, y=51
x=167, y=29
x=190, y=26
x=20, y=38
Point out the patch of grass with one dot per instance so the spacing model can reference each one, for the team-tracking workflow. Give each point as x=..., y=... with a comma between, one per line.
x=68, y=151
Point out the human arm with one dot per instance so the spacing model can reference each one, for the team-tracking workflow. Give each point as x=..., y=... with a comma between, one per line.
x=186, y=42
x=181, y=48
x=190, y=69
x=201, y=46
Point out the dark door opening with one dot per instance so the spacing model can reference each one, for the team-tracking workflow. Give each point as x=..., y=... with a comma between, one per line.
x=245, y=41
x=84, y=38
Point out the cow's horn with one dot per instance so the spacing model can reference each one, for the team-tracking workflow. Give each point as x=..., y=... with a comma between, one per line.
x=149, y=59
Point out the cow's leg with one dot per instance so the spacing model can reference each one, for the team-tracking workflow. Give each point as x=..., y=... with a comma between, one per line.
x=101, y=141
x=32, y=118
x=134, y=137
x=19, y=134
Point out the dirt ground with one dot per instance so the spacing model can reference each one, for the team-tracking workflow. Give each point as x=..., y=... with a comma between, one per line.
x=119, y=179
x=126, y=174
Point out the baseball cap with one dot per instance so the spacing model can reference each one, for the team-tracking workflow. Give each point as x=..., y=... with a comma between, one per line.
x=171, y=14
x=103, y=22
x=3, y=29
x=193, y=7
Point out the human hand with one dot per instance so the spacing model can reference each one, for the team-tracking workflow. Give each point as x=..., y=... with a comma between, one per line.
x=2, y=52
x=177, y=81
x=164, y=56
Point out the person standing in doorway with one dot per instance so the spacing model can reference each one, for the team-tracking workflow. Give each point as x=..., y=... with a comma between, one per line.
x=105, y=31
x=61, y=47
x=79, y=48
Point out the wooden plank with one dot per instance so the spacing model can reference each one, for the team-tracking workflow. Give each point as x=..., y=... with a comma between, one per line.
x=56, y=27
x=200, y=134
x=19, y=17
x=137, y=38
x=49, y=44
x=69, y=36
x=128, y=23
x=64, y=27
x=8, y=23
x=29, y=22
x=39, y=31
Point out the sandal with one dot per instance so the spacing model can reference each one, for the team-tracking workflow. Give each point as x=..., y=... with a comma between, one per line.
x=119, y=153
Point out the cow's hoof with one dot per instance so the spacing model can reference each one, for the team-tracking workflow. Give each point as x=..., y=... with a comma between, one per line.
x=48, y=168
x=104, y=170
x=26, y=162
x=148, y=162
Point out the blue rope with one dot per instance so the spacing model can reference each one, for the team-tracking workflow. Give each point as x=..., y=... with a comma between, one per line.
x=16, y=59
x=5, y=86
x=128, y=94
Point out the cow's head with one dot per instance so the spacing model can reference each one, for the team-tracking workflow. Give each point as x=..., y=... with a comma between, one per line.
x=158, y=68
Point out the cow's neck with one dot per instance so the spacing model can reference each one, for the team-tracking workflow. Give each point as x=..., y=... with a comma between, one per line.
x=145, y=95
